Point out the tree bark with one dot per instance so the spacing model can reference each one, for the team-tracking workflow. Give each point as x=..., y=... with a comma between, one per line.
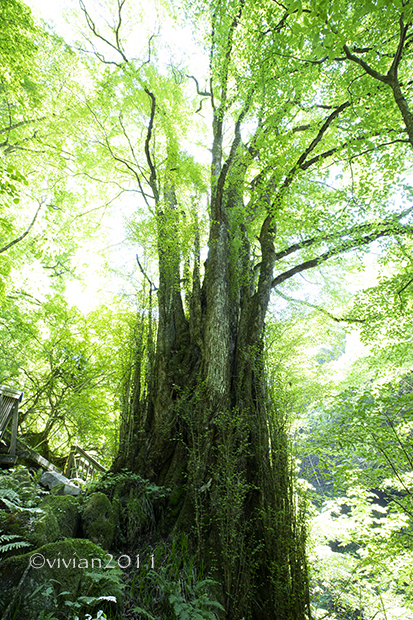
x=206, y=425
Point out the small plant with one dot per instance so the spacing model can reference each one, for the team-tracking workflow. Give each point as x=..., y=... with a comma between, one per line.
x=189, y=602
x=175, y=590
x=19, y=510
x=87, y=598
x=12, y=542
x=109, y=483
x=138, y=503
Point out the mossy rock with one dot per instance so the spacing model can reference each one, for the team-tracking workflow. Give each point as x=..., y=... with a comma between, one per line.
x=66, y=510
x=52, y=578
x=58, y=489
x=98, y=520
x=45, y=529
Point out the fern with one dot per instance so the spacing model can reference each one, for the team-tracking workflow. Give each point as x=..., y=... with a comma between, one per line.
x=9, y=494
x=18, y=495
x=12, y=542
x=13, y=502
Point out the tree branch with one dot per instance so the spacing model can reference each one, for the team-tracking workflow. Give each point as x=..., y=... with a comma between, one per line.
x=21, y=237
x=319, y=309
x=234, y=147
x=151, y=284
x=375, y=74
x=92, y=26
x=397, y=57
x=129, y=167
x=391, y=77
x=21, y=124
x=301, y=163
x=117, y=28
x=202, y=93
x=152, y=178
x=388, y=229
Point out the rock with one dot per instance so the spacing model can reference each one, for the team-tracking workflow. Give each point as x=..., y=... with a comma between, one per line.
x=65, y=508
x=50, y=479
x=44, y=530
x=55, y=576
x=65, y=489
x=98, y=522
x=60, y=519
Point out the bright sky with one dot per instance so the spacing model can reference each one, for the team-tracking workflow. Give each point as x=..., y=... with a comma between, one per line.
x=94, y=288
x=51, y=11
x=57, y=15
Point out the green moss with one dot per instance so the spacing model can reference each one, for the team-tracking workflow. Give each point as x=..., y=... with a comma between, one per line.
x=176, y=496
x=98, y=521
x=45, y=530
x=62, y=567
x=66, y=510
x=57, y=489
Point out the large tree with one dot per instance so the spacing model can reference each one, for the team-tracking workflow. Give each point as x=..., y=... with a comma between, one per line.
x=306, y=154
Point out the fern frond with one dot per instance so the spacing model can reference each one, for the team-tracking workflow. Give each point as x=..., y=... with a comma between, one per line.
x=11, y=542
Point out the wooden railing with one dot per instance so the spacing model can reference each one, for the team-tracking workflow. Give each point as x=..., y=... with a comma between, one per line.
x=82, y=465
x=79, y=464
x=9, y=411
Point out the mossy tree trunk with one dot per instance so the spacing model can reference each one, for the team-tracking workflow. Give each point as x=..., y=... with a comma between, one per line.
x=203, y=425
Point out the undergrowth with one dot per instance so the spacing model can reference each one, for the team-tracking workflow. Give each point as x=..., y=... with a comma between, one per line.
x=19, y=499
x=175, y=589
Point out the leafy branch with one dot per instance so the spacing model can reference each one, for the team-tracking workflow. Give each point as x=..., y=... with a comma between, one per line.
x=387, y=228
x=22, y=236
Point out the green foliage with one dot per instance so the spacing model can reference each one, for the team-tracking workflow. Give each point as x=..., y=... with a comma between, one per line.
x=20, y=513
x=371, y=428
x=18, y=491
x=138, y=504
x=328, y=182
x=17, y=44
x=194, y=604
x=361, y=562
x=12, y=542
x=115, y=483
x=360, y=565
x=77, y=609
x=69, y=590
x=175, y=589
x=66, y=362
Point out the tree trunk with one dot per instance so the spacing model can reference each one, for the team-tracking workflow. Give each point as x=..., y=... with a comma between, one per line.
x=205, y=425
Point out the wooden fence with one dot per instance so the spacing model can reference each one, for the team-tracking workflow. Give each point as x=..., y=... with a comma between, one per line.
x=82, y=465
x=79, y=464
x=9, y=411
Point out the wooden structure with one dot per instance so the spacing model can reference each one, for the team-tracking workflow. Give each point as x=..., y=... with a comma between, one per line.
x=9, y=412
x=27, y=454
x=82, y=465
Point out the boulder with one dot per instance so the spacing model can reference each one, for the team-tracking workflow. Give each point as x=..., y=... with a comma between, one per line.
x=52, y=579
x=98, y=521
x=65, y=489
x=44, y=530
x=65, y=509
x=50, y=479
